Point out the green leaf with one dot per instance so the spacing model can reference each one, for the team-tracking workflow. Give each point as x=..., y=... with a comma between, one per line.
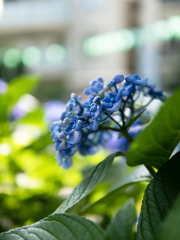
x=139, y=174
x=19, y=86
x=16, y=88
x=57, y=227
x=159, y=197
x=122, y=226
x=3, y=108
x=170, y=230
x=35, y=117
x=40, y=143
x=156, y=143
x=135, y=118
x=87, y=184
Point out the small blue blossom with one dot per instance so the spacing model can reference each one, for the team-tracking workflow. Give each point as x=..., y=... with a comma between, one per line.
x=136, y=80
x=157, y=94
x=85, y=126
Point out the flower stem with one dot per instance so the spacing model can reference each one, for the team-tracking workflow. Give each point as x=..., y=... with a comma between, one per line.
x=126, y=135
x=150, y=169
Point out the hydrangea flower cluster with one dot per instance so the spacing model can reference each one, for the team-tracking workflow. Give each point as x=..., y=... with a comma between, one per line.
x=85, y=126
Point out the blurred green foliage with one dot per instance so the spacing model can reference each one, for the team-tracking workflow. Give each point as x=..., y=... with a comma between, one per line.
x=31, y=184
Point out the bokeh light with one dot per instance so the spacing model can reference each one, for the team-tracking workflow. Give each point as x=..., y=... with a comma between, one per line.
x=11, y=58
x=31, y=56
x=125, y=39
x=55, y=53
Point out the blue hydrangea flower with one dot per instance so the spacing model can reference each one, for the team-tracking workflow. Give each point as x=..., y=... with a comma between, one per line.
x=84, y=126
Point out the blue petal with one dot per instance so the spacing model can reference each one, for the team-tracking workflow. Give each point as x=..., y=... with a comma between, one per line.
x=75, y=137
x=71, y=101
x=87, y=91
x=62, y=146
x=126, y=91
x=56, y=145
x=79, y=98
x=89, y=113
x=59, y=158
x=107, y=105
x=67, y=163
x=55, y=135
x=79, y=125
x=92, y=83
x=63, y=115
x=68, y=129
x=87, y=104
x=94, y=89
x=159, y=93
x=53, y=125
x=163, y=98
x=93, y=150
x=106, y=100
x=111, y=95
x=130, y=78
x=95, y=125
x=99, y=79
x=142, y=82
x=116, y=106
x=118, y=78
x=118, y=95
x=137, y=77
x=99, y=86
x=151, y=86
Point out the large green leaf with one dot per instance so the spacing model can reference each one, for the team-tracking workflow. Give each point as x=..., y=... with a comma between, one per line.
x=139, y=174
x=170, y=229
x=156, y=143
x=57, y=227
x=122, y=226
x=87, y=184
x=159, y=197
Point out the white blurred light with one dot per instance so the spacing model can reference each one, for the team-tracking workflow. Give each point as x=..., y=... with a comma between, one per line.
x=55, y=53
x=24, y=181
x=23, y=135
x=28, y=103
x=65, y=192
x=5, y=149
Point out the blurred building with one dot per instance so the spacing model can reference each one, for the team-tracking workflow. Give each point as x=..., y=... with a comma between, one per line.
x=73, y=41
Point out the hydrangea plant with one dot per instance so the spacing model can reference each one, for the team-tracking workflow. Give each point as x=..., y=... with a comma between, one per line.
x=117, y=107
x=112, y=106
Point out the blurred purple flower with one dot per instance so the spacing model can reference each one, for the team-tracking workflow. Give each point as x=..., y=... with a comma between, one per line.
x=26, y=104
x=3, y=86
x=53, y=110
x=121, y=144
x=17, y=113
